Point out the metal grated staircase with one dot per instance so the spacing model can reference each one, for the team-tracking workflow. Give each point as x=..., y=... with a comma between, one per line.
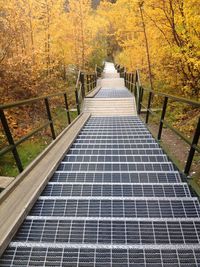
x=115, y=200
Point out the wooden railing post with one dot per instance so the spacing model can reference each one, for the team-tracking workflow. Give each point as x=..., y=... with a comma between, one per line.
x=121, y=72
x=50, y=118
x=138, y=91
x=82, y=80
x=148, y=107
x=135, y=87
x=162, y=117
x=132, y=82
x=87, y=83
x=11, y=140
x=91, y=81
x=192, y=149
x=67, y=108
x=77, y=101
x=141, y=92
x=95, y=80
x=125, y=77
x=128, y=81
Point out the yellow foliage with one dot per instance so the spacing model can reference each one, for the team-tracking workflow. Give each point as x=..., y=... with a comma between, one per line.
x=40, y=39
x=173, y=31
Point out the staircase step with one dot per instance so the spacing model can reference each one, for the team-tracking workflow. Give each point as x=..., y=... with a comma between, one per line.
x=113, y=141
x=113, y=93
x=113, y=83
x=111, y=152
x=122, y=208
x=116, y=177
x=115, y=146
x=113, y=190
x=110, y=232
x=113, y=158
x=115, y=166
x=103, y=106
x=71, y=255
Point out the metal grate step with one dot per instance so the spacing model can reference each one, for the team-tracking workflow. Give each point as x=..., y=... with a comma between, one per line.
x=113, y=131
x=109, y=232
x=114, y=158
x=114, y=146
x=114, y=166
x=114, y=201
x=111, y=152
x=100, y=256
x=113, y=93
x=121, y=190
x=116, y=177
x=114, y=138
x=144, y=208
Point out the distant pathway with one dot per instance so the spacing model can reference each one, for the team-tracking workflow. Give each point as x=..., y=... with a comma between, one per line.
x=113, y=98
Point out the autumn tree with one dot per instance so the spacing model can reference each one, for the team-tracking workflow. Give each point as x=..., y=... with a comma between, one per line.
x=178, y=23
x=172, y=28
x=79, y=13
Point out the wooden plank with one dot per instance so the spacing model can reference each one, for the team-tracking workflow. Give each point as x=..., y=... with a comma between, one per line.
x=113, y=82
x=110, y=75
x=110, y=106
x=18, y=198
x=93, y=92
x=5, y=181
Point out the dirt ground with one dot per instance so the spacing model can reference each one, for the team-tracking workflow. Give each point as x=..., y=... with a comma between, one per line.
x=177, y=149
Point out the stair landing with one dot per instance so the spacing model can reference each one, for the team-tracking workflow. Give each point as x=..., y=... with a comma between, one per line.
x=113, y=98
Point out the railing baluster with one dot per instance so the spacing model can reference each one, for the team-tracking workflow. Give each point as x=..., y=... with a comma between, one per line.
x=91, y=82
x=135, y=87
x=96, y=77
x=50, y=118
x=141, y=92
x=77, y=101
x=95, y=81
x=192, y=149
x=87, y=83
x=82, y=80
x=137, y=97
x=11, y=141
x=162, y=117
x=148, y=107
x=128, y=79
x=131, y=78
x=67, y=108
x=125, y=77
x=132, y=82
x=123, y=72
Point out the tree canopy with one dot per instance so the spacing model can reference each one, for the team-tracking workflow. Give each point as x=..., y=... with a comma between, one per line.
x=42, y=40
